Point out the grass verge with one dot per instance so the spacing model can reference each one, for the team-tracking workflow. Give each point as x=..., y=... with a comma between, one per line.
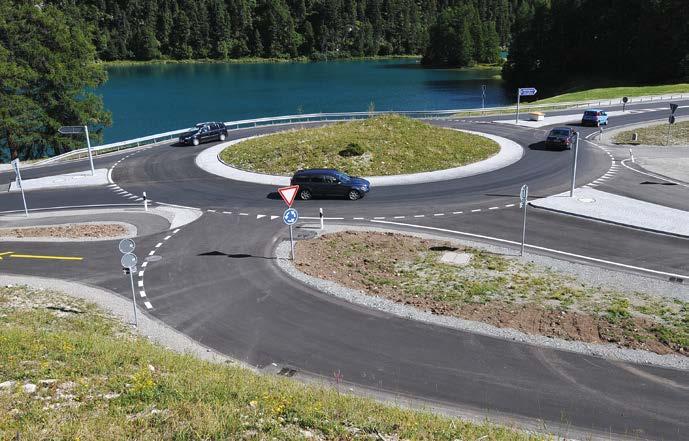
x=607, y=93
x=500, y=290
x=68, y=371
x=385, y=145
x=656, y=135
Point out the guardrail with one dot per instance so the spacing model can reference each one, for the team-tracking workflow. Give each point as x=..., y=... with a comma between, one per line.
x=343, y=116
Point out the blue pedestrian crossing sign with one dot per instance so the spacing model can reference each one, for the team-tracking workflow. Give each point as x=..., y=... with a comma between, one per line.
x=290, y=216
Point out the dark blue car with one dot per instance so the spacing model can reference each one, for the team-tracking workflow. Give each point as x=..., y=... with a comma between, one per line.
x=328, y=182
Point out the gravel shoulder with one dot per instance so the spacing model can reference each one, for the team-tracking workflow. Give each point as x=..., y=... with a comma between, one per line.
x=624, y=296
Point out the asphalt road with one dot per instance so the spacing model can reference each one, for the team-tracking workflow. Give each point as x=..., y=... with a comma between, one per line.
x=217, y=282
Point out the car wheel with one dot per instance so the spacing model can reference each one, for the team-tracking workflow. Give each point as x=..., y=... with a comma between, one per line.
x=305, y=194
x=195, y=141
x=353, y=195
x=222, y=136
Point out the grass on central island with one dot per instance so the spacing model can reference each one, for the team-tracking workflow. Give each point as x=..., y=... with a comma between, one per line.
x=656, y=134
x=387, y=145
x=68, y=371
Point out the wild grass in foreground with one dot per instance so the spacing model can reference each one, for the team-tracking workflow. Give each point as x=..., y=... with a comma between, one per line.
x=68, y=371
x=384, y=145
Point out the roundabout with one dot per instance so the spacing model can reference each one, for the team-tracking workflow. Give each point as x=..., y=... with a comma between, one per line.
x=218, y=282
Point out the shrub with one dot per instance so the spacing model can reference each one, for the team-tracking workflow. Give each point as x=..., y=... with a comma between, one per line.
x=352, y=149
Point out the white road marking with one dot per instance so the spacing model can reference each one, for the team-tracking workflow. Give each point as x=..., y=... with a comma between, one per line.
x=358, y=218
x=139, y=199
x=439, y=214
x=167, y=237
x=475, y=211
x=274, y=217
x=494, y=208
x=142, y=293
x=243, y=214
x=141, y=273
x=148, y=305
x=378, y=218
x=259, y=216
x=141, y=283
x=662, y=178
x=509, y=205
x=536, y=247
x=457, y=212
x=159, y=244
x=176, y=231
x=420, y=215
x=152, y=253
x=399, y=217
x=144, y=265
x=227, y=212
x=211, y=211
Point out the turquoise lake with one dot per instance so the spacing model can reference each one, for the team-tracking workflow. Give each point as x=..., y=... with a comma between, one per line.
x=150, y=99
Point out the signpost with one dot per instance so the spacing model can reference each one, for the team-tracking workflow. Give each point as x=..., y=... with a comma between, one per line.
x=73, y=130
x=290, y=216
x=671, y=120
x=483, y=98
x=625, y=100
x=523, y=91
x=574, y=166
x=15, y=165
x=523, y=203
x=129, y=261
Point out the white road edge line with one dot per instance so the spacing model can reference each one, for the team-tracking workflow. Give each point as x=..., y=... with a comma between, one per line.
x=624, y=163
x=141, y=283
x=143, y=265
x=152, y=253
x=148, y=305
x=142, y=293
x=536, y=247
x=167, y=237
x=176, y=231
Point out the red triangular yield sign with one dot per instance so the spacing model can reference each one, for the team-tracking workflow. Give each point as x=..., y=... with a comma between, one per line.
x=288, y=194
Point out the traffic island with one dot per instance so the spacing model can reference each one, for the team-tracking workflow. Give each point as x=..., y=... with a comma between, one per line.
x=64, y=359
x=380, y=146
x=73, y=231
x=497, y=291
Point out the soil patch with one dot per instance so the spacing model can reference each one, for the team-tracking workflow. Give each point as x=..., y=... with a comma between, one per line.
x=69, y=231
x=503, y=291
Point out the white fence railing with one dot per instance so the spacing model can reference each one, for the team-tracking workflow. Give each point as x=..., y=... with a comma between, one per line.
x=343, y=116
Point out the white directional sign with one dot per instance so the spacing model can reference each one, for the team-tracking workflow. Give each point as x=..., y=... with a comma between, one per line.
x=527, y=91
x=71, y=130
x=290, y=216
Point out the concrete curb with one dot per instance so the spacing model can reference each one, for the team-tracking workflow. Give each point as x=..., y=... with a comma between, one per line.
x=510, y=152
x=606, y=351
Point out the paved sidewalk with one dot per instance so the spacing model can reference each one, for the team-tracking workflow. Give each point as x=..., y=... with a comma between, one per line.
x=78, y=179
x=607, y=207
x=510, y=152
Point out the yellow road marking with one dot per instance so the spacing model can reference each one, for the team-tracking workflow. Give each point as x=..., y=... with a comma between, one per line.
x=4, y=254
x=32, y=256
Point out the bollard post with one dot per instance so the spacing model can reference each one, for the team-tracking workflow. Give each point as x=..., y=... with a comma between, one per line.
x=631, y=154
x=320, y=214
x=145, y=202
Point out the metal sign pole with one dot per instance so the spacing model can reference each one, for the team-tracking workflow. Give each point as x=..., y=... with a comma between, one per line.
x=574, y=166
x=291, y=241
x=483, y=98
x=88, y=145
x=526, y=203
x=131, y=279
x=516, y=121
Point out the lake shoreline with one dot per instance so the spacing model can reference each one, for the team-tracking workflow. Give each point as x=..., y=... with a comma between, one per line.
x=249, y=60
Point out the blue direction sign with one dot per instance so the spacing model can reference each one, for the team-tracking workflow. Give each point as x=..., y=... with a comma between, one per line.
x=527, y=91
x=290, y=216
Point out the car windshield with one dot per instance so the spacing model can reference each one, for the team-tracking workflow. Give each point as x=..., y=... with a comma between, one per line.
x=559, y=132
x=342, y=177
x=590, y=113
